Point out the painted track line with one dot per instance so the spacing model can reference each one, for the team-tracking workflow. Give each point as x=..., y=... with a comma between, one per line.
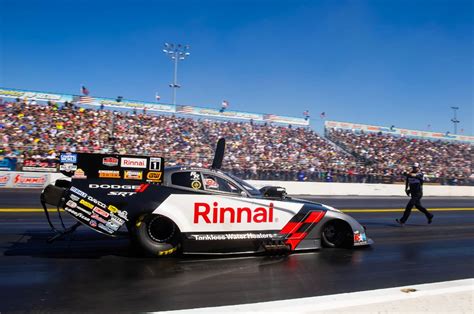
x=349, y=210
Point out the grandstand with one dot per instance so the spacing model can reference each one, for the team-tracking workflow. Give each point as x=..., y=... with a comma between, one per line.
x=37, y=129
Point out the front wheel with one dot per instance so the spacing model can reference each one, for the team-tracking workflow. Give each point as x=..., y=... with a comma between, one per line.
x=337, y=233
x=157, y=235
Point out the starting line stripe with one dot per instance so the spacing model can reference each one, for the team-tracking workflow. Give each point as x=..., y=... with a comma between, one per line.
x=361, y=210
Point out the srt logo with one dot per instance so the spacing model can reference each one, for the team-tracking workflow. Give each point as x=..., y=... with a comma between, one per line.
x=120, y=193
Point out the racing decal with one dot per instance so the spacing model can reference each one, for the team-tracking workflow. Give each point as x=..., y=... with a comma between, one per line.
x=106, y=166
x=111, y=174
x=155, y=164
x=231, y=214
x=110, y=161
x=153, y=176
x=196, y=185
x=360, y=238
x=218, y=213
x=133, y=175
x=79, y=174
x=68, y=158
x=300, y=225
x=129, y=162
x=68, y=167
x=94, y=213
x=232, y=236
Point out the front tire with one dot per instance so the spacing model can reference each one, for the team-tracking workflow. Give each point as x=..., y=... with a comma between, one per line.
x=336, y=234
x=157, y=235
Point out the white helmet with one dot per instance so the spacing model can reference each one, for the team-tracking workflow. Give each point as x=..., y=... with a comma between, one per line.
x=416, y=165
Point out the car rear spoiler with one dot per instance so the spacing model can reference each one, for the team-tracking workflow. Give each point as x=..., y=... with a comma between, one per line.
x=90, y=207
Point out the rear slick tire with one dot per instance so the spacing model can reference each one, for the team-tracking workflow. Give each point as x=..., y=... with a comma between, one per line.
x=157, y=235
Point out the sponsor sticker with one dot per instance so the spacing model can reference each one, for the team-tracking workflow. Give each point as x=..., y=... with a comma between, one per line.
x=110, y=161
x=359, y=237
x=101, y=212
x=93, y=223
x=86, y=204
x=123, y=214
x=98, y=218
x=74, y=197
x=79, y=174
x=71, y=204
x=114, y=186
x=77, y=214
x=68, y=158
x=68, y=167
x=78, y=192
x=112, y=209
x=196, y=185
x=84, y=210
x=112, y=225
x=232, y=236
x=133, y=175
x=105, y=228
x=128, y=162
x=155, y=164
x=121, y=193
x=154, y=176
x=111, y=174
x=117, y=220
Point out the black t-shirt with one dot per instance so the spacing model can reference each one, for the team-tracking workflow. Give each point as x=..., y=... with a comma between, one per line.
x=415, y=182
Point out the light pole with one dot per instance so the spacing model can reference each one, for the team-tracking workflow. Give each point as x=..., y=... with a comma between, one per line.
x=176, y=53
x=454, y=120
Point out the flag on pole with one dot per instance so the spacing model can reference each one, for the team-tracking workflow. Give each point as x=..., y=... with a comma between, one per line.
x=84, y=90
x=224, y=105
x=306, y=115
x=323, y=115
x=157, y=97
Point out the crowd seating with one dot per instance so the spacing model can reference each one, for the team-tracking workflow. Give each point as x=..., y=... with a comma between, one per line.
x=254, y=151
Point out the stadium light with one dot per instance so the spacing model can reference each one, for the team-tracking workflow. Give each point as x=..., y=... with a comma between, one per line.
x=454, y=120
x=176, y=53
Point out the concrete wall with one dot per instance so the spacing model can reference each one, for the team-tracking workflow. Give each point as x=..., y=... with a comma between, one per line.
x=16, y=179
x=325, y=188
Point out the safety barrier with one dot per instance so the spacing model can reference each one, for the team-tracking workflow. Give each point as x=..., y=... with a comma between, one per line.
x=362, y=189
x=18, y=179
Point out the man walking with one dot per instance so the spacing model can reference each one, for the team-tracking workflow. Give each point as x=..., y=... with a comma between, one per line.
x=414, y=189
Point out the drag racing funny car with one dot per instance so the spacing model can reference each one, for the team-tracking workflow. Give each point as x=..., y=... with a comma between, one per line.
x=190, y=210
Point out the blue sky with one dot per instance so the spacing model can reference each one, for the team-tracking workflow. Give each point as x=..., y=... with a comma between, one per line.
x=378, y=62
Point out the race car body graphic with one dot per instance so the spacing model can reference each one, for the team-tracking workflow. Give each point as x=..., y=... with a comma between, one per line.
x=192, y=210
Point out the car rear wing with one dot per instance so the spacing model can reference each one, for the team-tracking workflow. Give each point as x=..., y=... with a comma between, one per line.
x=96, y=207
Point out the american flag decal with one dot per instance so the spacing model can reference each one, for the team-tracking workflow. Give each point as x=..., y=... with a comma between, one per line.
x=184, y=109
x=85, y=100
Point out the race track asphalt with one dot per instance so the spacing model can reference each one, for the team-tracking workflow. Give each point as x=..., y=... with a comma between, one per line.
x=91, y=272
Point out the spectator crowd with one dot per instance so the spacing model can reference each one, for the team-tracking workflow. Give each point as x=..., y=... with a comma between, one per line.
x=253, y=151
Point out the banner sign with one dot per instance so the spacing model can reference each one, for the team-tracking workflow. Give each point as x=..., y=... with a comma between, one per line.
x=91, y=102
x=7, y=163
x=32, y=95
x=398, y=132
x=40, y=165
x=23, y=180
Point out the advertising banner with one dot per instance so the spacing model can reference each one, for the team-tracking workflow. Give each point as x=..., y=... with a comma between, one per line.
x=40, y=165
x=90, y=102
x=398, y=131
x=12, y=94
x=7, y=163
